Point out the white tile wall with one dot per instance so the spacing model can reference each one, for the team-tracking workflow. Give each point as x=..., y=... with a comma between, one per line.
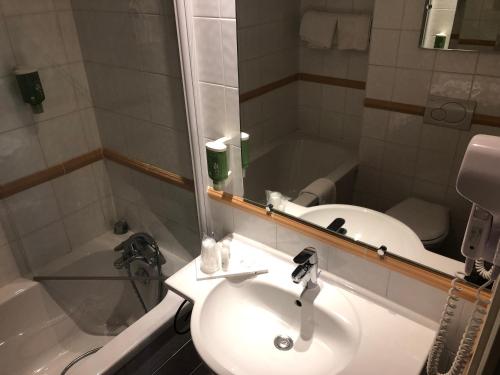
x=334, y=112
x=268, y=50
x=8, y=268
x=37, y=40
x=45, y=245
x=75, y=190
x=34, y=208
x=259, y=229
x=216, y=64
x=130, y=51
x=85, y=224
x=54, y=135
x=21, y=148
x=209, y=61
x=131, y=55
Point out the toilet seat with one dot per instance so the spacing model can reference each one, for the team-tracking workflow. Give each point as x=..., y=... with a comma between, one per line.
x=430, y=221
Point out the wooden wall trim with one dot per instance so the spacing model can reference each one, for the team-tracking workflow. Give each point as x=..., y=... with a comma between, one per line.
x=411, y=109
x=40, y=177
x=333, y=81
x=387, y=105
x=420, y=273
x=394, y=106
x=151, y=170
x=486, y=120
x=24, y=183
x=267, y=88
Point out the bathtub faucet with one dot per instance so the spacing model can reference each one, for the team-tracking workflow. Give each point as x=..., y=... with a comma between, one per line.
x=139, y=246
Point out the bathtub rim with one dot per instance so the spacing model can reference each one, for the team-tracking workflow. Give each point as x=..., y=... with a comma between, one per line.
x=120, y=349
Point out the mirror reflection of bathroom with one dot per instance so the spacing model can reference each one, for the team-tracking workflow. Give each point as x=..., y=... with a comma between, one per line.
x=462, y=24
x=94, y=149
x=355, y=128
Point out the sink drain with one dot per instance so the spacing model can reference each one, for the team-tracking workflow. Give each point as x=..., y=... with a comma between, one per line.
x=283, y=343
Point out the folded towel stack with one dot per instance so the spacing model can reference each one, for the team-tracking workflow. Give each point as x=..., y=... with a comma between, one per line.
x=318, y=29
x=353, y=32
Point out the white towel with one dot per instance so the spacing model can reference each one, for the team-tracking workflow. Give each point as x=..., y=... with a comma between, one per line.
x=323, y=188
x=353, y=32
x=318, y=28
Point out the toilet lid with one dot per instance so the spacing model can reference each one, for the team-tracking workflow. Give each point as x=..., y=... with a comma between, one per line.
x=428, y=220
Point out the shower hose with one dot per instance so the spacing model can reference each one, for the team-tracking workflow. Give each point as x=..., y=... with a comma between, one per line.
x=78, y=359
x=160, y=279
x=469, y=337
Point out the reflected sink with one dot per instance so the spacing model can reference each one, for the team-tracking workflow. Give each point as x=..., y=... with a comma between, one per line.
x=369, y=226
x=266, y=324
x=242, y=320
x=376, y=229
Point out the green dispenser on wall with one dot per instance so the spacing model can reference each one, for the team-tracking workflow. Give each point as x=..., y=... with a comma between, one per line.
x=218, y=169
x=31, y=88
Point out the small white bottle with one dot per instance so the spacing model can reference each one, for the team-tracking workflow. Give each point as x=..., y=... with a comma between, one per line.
x=210, y=259
x=225, y=254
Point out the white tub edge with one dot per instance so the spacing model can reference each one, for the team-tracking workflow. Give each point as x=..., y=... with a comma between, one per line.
x=119, y=350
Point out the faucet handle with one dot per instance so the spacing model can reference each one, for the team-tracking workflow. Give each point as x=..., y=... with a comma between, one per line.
x=308, y=255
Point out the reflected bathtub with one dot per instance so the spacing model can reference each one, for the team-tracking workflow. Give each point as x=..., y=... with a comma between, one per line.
x=295, y=162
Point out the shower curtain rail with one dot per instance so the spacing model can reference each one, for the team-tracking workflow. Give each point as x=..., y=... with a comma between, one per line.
x=97, y=278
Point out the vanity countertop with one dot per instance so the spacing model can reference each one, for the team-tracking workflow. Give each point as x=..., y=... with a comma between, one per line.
x=341, y=329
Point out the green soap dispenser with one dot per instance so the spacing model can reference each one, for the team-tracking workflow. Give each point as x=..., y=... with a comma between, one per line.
x=31, y=88
x=218, y=169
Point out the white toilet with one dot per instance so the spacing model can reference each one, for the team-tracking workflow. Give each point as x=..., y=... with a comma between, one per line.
x=430, y=221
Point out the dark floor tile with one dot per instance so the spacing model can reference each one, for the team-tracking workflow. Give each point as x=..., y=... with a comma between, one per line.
x=202, y=369
x=160, y=350
x=184, y=362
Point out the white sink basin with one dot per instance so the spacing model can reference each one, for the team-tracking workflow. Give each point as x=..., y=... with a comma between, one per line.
x=324, y=333
x=336, y=331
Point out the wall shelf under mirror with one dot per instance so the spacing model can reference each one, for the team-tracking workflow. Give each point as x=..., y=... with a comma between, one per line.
x=393, y=262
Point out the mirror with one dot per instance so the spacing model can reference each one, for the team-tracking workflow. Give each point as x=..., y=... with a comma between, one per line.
x=461, y=24
x=335, y=151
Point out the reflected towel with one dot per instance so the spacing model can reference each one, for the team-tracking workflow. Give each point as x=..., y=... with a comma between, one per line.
x=318, y=28
x=353, y=32
x=323, y=188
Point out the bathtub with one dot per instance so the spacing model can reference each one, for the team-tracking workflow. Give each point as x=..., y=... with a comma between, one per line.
x=52, y=322
x=292, y=164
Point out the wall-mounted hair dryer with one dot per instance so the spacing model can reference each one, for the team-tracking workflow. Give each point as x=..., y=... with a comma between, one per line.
x=479, y=182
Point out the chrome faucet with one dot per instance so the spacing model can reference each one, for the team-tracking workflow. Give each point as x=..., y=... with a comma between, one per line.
x=307, y=270
x=139, y=246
